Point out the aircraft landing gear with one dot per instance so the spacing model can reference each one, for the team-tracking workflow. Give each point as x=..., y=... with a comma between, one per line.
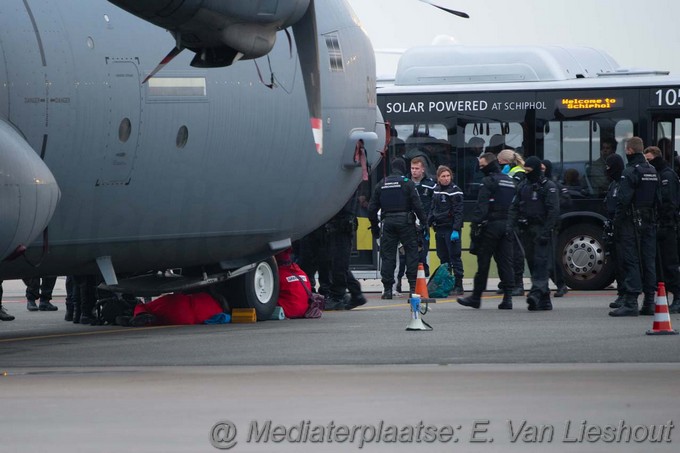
x=258, y=288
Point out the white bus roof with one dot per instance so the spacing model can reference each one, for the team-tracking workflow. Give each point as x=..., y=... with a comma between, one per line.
x=472, y=68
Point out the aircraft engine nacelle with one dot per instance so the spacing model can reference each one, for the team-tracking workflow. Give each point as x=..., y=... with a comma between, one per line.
x=218, y=30
x=28, y=192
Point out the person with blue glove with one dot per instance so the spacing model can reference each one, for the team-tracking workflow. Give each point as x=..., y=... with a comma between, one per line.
x=446, y=216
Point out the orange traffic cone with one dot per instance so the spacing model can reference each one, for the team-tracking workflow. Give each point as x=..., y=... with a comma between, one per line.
x=421, y=283
x=662, y=320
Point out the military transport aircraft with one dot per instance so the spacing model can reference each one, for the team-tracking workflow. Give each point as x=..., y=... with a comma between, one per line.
x=122, y=159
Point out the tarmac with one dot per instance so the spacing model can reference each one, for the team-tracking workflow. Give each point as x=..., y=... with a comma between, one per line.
x=488, y=380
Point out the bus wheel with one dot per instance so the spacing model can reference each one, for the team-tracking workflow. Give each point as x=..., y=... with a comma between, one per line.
x=581, y=254
x=258, y=288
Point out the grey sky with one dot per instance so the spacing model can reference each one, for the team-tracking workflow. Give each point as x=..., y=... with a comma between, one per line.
x=636, y=33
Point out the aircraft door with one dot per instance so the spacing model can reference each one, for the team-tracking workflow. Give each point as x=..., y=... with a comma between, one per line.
x=122, y=138
x=667, y=137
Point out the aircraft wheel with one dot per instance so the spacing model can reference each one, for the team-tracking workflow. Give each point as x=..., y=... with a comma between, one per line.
x=582, y=256
x=257, y=288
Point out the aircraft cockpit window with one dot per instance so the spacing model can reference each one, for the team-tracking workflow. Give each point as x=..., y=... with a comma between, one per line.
x=124, y=130
x=182, y=137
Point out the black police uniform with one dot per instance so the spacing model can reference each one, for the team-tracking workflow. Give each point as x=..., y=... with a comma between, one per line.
x=614, y=169
x=490, y=236
x=446, y=216
x=341, y=230
x=556, y=273
x=666, y=236
x=425, y=189
x=535, y=211
x=315, y=257
x=518, y=175
x=635, y=222
x=397, y=199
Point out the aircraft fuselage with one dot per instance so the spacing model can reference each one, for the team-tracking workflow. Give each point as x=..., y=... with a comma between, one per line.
x=197, y=166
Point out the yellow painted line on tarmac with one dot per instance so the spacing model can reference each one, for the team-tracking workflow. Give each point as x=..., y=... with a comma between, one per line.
x=79, y=334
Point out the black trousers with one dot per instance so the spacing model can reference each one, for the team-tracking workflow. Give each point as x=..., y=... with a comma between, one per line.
x=396, y=229
x=342, y=279
x=40, y=288
x=315, y=257
x=493, y=242
x=668, y=249
x=638, y=250
x=540, y=259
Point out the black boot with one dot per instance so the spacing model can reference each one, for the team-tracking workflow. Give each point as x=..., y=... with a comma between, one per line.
x=506, y=303
x=675, y=306
x=618, y=302
x=561, y=291
x=629, y=307
x=387, y=294
x=545, y=304
x=473, y=301
x=76, y=313
x=45, y=305
x=4, y=316
x=648, y=305
x=69, y=313
x=518, y=290
x=31, y=305
x=458, y=288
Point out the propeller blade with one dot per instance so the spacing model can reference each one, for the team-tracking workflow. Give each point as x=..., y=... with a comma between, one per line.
x=448, y=10
x=168, y=58
x=306, y=41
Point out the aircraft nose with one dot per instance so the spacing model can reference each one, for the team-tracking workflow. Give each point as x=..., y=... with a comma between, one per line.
x=28, y=192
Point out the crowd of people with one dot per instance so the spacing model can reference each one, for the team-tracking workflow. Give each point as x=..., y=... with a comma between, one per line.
x=515, y=220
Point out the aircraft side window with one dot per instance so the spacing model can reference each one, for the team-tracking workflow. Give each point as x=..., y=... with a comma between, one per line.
x=182, y=137
x=124, y=130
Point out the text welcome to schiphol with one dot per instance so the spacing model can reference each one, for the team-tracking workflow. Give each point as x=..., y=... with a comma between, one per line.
x=462, y=106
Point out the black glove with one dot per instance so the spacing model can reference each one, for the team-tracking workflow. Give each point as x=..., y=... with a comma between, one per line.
x=375, y=231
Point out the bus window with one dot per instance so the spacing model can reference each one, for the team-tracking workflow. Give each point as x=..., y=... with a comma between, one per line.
x=577, y=145
x=482, y=138
x=430, y=141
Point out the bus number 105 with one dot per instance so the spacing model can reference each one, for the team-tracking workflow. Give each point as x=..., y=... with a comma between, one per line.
x=668, y=97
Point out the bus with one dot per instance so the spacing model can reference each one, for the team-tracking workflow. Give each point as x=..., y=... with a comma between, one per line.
x=452, y=103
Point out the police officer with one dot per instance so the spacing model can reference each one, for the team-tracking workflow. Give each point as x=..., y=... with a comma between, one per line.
x=614, y=168
x=634, y=220
x=446, y=216
x=341, y=230
x=535, y=211
x=397, y=199
x=512, y=164
x=489, y=232
x=557, y=275
x=666, y=234
x=425, y=186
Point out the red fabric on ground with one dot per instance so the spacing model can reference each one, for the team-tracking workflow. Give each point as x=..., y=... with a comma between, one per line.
x=181, y=308
x=293, y=298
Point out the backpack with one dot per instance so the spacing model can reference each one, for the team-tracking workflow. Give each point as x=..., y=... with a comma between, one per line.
x=109, y=309
x=441, y=282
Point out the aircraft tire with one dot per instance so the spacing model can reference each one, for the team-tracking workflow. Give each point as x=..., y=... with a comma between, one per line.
x=257, y=288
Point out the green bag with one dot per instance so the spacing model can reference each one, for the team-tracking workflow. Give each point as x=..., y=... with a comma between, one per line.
x=441, y=282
